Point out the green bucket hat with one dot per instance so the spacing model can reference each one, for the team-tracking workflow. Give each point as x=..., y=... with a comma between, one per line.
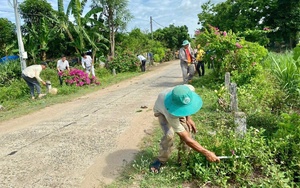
x=182, y=101
x=185, y=42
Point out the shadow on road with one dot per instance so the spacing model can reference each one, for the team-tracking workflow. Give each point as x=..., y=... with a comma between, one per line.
x=116, y=161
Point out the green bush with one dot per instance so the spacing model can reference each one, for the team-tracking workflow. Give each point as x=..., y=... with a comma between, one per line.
x=254, y=165
x=263, y=120
x=124, y=63
x=287, y=72
x=286, y=145
x=229, y=53
x=159, y=54
x=262, y=95
x=17, y=89
x=259, y=36
x=9, y=72
x=156, y=58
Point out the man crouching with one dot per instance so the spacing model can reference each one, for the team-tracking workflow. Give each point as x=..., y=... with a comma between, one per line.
x=173, y=108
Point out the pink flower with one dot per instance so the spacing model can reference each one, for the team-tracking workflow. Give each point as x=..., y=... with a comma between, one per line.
x=224, y=33
x=232, y=152
x=238, y=45
x=266, y=29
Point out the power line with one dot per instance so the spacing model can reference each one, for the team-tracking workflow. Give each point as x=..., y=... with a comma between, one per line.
x=6, y=11
x=157, y=23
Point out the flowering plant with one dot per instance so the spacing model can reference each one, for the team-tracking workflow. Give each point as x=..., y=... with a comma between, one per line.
x=78, y=77
x=227, y=52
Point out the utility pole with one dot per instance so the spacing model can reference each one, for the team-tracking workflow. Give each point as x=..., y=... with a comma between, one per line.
x=22, y=53
x=151, y=27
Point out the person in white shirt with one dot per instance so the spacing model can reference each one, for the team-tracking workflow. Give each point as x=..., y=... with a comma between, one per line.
x=61, y=66
x=87, y=64
x=31, y=75
x=174, y=108
x=143, y=62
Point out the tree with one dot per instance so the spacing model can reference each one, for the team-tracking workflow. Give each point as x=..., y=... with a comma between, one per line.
x=135, y=41
x=240, y=15
x=34, y=13
x=7, y=36
x=115, y=15
x=172, y=36
x=285, y=15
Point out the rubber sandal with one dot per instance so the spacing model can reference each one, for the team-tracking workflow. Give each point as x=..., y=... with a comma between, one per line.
x=156, y=165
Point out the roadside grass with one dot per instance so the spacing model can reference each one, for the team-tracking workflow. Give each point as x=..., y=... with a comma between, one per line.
x=25, y=105
x=172, y=175
x=257, y=165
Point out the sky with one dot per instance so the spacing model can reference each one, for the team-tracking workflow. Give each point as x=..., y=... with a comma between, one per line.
x=163, y=12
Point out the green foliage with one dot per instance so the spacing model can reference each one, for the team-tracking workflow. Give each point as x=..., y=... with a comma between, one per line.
x=124, y=63
x=286, y=144
x=255, y=160
x=9, y=72
x=229, y=53
x=159, y=54
x=115, y=15
x=33, y=11
x=296, y=53
x=259, y=36
x=264, y=120
x=7, y=37
x=287, y=72
x=135, y=42
x=263, y=94
x=240, y=15
x=16, y=89
x=172, y=36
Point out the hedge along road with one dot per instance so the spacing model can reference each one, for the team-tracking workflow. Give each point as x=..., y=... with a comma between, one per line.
x=85, y=142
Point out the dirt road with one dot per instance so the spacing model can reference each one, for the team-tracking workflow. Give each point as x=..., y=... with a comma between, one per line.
x=85, y=142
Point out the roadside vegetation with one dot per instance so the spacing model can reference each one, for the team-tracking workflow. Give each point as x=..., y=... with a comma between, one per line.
x=258, y=46
x=268, y=92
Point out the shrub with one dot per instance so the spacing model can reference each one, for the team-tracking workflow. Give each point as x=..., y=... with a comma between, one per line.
x=263, y=120
x=286, y=143
x=17, y=89
x=253, y=166
x=229, y=53
x=259, y=36
x=78, y=77
x=156, y=58
x=262, y=95
x=287, y=72
x=9, y=72
x=125, y=62
x=159, y=54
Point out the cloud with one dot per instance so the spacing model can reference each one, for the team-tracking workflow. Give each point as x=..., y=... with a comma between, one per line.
x=163, y=12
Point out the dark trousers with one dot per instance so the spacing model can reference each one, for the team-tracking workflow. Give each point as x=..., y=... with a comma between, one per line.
x=143, y=66
x=32, y=82
x=60, y=80
x=200, y=64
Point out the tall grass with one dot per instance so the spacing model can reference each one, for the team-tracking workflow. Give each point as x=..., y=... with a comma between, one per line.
x=287, y=72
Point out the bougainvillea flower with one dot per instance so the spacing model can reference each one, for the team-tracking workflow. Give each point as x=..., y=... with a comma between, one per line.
x=238, y=45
